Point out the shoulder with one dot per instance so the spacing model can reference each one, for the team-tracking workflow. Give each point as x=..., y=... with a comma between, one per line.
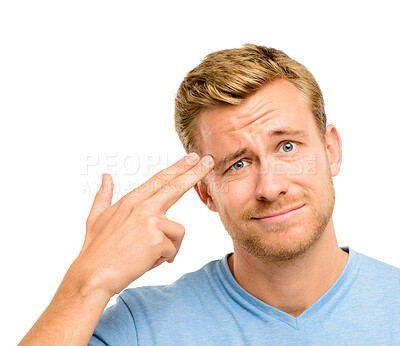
x=378, y=276
x=375, y=268
x=186, y=289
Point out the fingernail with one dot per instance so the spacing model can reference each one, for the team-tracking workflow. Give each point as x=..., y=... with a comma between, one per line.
x=207, y=160
x=191, y=158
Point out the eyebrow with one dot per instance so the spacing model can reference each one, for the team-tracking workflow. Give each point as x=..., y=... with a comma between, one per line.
x=275, y=133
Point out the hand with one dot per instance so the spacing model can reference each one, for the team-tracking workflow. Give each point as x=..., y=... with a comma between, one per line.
x=133, y=236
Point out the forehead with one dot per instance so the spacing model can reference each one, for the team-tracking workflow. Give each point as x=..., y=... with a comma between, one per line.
x=279, y=105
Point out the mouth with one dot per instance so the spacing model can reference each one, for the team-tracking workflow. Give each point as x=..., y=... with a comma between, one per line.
x=280, y=215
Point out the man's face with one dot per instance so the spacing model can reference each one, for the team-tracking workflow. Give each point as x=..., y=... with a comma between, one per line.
x=272, y=173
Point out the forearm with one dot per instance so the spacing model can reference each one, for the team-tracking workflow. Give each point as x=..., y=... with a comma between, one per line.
x=72, y=315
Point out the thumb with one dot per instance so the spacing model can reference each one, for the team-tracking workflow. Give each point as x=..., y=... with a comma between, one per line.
x=103, y=197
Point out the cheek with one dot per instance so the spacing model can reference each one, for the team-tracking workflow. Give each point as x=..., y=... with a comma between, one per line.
x=303, y=169
x=298, y=165
x=233, y=192
x=312, y=174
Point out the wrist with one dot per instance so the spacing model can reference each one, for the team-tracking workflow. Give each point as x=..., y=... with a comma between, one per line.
x=83, y=281
x=72, y=314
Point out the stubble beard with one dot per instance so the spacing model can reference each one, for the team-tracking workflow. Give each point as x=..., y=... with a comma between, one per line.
x=256, y=242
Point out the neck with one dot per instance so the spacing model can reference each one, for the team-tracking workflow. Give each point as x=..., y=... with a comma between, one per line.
x=295, y=285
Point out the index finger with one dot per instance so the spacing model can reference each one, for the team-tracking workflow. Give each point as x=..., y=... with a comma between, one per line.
x=177, y=187
x=157, y=181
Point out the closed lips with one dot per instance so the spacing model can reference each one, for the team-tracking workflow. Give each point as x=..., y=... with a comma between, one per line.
x=284, y=211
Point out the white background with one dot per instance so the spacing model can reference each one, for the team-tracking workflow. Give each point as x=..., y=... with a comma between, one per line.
x=86, y=84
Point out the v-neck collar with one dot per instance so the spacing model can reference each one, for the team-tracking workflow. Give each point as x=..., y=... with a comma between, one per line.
x=244, y=298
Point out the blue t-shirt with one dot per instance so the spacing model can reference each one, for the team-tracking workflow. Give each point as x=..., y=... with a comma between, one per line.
x=208, y=307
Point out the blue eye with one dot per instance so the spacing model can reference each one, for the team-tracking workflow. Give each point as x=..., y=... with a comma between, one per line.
x=288, y=146
x=239, y=164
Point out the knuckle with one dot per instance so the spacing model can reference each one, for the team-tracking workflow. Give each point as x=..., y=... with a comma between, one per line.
x=167, y=187
x=158, y=181
x=152, y=221
x=144, y=205
x=184, y=167
x=158, y=240
x=176, y=185
x=198, y=169
x=181, y=230
x=171, y=250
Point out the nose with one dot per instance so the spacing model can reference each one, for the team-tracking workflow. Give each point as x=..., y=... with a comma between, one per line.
x=271, y=181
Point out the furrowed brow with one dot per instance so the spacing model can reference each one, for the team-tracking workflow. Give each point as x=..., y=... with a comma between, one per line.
x=230, y=157
x=274, y=133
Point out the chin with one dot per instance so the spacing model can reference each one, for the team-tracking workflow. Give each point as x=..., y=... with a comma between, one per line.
x=280, y=242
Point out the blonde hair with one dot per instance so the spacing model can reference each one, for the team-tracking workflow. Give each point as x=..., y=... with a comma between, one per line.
x=228, y=77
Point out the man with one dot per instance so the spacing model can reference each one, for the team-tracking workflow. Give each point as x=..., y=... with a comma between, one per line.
x=256, y=117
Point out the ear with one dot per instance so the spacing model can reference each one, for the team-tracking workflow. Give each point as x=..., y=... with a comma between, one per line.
x=202, y=190
x=333, y=149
